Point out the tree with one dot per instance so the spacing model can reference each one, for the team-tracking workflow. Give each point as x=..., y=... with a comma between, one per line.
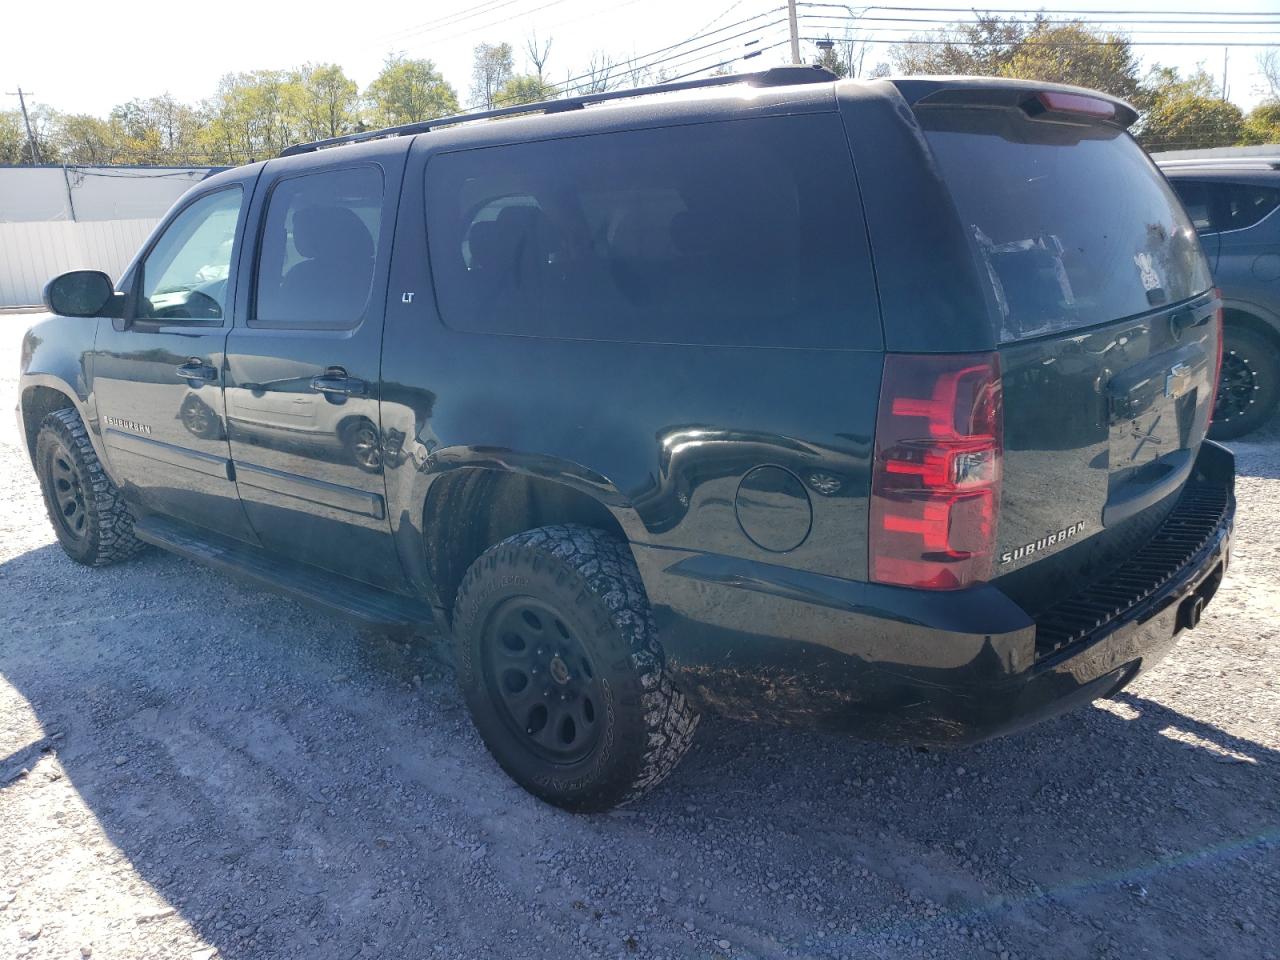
x=154, y=131
x=981, y=48
x=88, y=139
x=1269, y=67
x=842, y=57
x=407, y=91
x=14, y=147
x=493, y=67
x=538, y=53
x=327, y=101
x=13, y=138
x=1062, y=51
x=1185, y=113
x=830, y=58
x=251, y=117
x=600, y=75
x=1262, y=125
x=1071, y=53
x=526, y=88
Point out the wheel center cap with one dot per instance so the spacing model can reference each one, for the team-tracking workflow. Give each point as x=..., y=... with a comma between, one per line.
x=559, y=671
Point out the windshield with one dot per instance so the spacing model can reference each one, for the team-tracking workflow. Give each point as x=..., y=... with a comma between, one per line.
x=1075, y=226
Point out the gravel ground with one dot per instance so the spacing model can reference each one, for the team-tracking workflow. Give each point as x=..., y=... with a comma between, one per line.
x=265, y=782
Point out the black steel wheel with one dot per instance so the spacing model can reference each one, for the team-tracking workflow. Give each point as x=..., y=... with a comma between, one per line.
x=559, y=663
x=64, y=490
x=90, y=519
x=1249, y=385
x=543, y=679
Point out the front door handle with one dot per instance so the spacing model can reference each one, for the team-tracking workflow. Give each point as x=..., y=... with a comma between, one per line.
x=335, y=381
x=196, y=369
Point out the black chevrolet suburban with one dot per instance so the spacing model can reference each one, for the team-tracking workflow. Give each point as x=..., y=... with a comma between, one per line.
x=878, y=406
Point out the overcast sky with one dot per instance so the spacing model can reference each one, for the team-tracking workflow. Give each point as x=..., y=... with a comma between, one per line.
x=87, y=55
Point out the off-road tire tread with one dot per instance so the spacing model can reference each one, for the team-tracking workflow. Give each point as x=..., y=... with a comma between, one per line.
x=1267, y=359
x=606, y=568
x=113, y=539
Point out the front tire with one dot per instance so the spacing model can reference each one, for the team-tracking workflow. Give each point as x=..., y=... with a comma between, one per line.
x=559, y=663
x=1250, y=383
x=89, y=517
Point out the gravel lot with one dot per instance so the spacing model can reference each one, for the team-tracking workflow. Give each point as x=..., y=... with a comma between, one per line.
x=270, y=783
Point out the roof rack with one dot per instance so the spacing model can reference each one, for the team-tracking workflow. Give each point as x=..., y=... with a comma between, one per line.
x=1231, y=163
x=776, y=77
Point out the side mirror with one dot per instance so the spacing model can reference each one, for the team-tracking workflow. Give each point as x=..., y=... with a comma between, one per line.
x=81, y=293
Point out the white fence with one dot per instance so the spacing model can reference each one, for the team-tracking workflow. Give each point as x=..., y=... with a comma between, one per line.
x=32, y=253
x=54, y=219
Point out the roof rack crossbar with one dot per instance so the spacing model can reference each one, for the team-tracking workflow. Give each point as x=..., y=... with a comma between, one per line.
x=778, y=76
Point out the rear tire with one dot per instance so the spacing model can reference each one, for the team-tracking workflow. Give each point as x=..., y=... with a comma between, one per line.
x=89, y=517
x=1250, y=384
x=559, y=663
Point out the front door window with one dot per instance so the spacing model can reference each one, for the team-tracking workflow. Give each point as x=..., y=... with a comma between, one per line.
x=184, y=277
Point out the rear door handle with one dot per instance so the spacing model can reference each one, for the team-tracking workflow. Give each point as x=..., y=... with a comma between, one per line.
x=335, y=381
x=196, y=369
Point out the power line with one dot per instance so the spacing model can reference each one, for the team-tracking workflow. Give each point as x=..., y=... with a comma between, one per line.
x=728, y=10
x=1073, y=43
x=449, y=20
x=1142, y=32
x=1025, y=12
x=472, y=31
x=1142, y=24
x=645, y=62
x=725, y=63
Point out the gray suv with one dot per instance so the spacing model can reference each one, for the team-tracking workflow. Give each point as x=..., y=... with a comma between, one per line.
x=1232, y=195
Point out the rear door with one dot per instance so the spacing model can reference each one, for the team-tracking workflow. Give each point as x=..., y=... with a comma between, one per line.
x=303, y=362
x=1246, y=218
x=1105, y=325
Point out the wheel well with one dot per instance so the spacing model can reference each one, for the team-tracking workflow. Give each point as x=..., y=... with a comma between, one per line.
x=1256, y=324
x=470, y=510
x=38, y=403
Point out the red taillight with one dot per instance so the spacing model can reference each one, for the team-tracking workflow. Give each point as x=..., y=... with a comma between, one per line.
x=1058, y=102
x=1217, y=364
x=935, y=487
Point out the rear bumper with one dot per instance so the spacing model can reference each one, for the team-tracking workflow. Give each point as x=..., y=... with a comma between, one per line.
x=761, y=642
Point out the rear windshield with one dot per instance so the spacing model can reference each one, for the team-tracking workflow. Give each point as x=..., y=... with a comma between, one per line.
x=1075, y=226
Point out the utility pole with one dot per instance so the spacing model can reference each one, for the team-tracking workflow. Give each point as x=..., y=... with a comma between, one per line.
x=1225, y=53
x=795, y=32
x=31, y=140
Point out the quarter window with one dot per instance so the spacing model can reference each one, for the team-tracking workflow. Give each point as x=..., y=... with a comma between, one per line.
x=1244, y=204
x=319, y=247
x=738, y=232
x=185, y=275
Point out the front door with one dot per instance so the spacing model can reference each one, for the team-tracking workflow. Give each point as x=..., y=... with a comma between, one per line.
x=157, y=374
x=303, y=365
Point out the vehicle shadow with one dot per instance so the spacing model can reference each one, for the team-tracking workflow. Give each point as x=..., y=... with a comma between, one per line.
x=293, y=788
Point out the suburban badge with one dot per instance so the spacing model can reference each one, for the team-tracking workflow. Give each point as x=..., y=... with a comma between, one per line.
x=1066, y=533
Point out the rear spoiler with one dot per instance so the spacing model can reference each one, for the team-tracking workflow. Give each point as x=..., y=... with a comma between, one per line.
x=1047, y=101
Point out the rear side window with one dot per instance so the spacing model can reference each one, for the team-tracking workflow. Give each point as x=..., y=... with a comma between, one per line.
x=319, y=247
x=1195, y=198
x=1244, y=204
x=740, y=232
x=1075, y=226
